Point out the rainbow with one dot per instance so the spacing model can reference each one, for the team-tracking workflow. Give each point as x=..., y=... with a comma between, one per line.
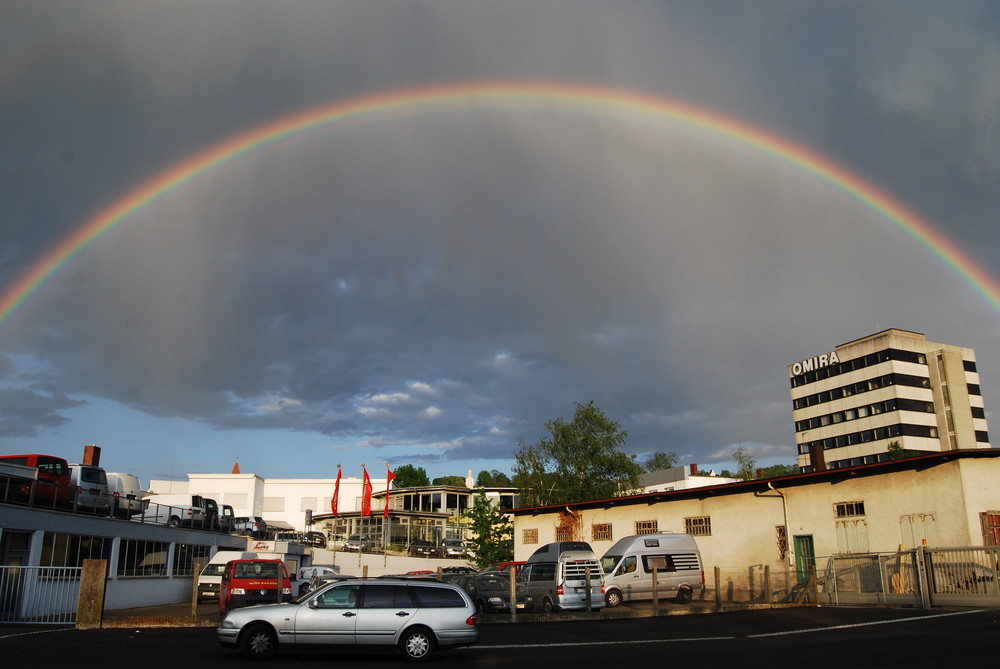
x=467, y=96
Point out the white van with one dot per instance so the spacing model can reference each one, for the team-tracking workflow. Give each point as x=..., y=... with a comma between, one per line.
x=126, y=494
x=555, y=578
x=211, y=575
x=91, y=484
x=173, y=509
x=628, y=568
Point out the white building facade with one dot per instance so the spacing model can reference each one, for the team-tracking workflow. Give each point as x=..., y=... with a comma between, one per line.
x=894, y=388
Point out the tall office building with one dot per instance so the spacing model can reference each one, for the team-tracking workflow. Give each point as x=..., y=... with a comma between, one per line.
x=893, y=390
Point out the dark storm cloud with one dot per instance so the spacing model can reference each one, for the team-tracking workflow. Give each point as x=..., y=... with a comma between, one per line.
x=437, y=286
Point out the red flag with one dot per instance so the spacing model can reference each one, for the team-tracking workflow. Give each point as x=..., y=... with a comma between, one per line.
x=389, y=476
x=336, y=493
x=366, y=493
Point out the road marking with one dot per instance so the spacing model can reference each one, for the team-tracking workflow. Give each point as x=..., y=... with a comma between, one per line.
x=59, y=629
x=720, y=638
x=869, y=624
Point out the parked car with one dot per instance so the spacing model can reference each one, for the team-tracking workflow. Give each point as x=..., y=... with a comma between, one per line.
x=628, y=568
x=311, y=578
x=210, y=578
x=357, y=542
x=91, y=488
x=422, y=547
x=51, y=486
x=556, y=576
x=253, y=581
x=416, y=617
x=452, y=548
x=173, y=509
x=227, y=518
x=251, y=526
x=315, y=539
x=490, y=591
x=503, y=567
x=126, y=494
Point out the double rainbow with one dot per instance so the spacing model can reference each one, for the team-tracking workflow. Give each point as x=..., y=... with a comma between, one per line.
x=467, y=96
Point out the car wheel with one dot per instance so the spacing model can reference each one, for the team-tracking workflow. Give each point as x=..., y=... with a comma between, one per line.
x=683, y=595
x=259, y=642
x=174, y=521
x=547, y=606
x=417, y=644
x=613, y=598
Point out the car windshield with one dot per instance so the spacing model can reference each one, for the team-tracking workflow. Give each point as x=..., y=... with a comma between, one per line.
x=214, y=570
x=608, y=562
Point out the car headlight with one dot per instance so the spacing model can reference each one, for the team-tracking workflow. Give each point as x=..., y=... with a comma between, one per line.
x=239, y=591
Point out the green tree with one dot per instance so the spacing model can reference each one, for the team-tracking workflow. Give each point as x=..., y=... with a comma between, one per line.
x=746, y=464
x=659, y=461
x=780, y=470
x=449, y=480
x=580, y=460
x=408, y=476
x=492, y=479
x=492, y=533
x=896, y=451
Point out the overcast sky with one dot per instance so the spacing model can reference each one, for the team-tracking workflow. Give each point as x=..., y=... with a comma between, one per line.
x=429, y=288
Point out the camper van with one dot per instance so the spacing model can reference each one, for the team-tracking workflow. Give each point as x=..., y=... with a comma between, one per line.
x=555, y=578
x=211, y=576
x=628, y=568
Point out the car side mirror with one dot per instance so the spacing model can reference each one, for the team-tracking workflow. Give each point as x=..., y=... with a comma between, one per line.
x=314, y=603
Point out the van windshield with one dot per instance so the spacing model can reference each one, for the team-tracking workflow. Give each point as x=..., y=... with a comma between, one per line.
x=214, y=569
x=608, y=562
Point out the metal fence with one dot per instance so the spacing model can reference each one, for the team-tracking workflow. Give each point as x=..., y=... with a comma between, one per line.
x=918, y=577
x=39, y=595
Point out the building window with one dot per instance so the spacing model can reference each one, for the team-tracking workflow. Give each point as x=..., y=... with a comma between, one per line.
x=564, y=533
x=781, y=536
x=70, y=550
x=529, y=536
x=185, y=556
x=600, y=532
x=137, y=557
x=276, y=504
x=698, y=526
x=990, y=520
x=848, y=509
x=646, y=527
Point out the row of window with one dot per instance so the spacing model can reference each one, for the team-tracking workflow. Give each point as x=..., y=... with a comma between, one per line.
x=865, y=436
x=696, y=525
x=136, y=557
x=862, y=387
x=900, y=404
x=844, y=366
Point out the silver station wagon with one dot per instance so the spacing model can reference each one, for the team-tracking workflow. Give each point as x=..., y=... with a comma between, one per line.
x=417, y=617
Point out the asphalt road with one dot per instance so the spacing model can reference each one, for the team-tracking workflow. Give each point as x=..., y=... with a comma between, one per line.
x=838, y=638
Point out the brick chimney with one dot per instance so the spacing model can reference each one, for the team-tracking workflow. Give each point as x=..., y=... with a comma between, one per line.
x=694, y=469
x=92, y=455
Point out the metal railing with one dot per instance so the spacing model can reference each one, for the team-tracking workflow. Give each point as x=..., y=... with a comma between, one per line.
x=39, y=595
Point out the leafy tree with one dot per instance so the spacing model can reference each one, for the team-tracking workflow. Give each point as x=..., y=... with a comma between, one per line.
x=896, y=451
x=578, y=461
x=659, y=461
x=408, y=476
x=780, y=470
x=492, y=533
x=492, y=479
x=450, y=480
x=746, y=464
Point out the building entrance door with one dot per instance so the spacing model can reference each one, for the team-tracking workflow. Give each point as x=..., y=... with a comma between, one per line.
x=805, y=557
